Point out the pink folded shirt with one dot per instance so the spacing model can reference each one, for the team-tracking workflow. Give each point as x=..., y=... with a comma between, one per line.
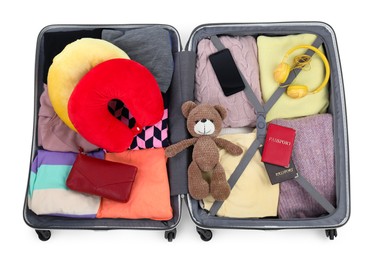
x=54, y=134
x=208, y=90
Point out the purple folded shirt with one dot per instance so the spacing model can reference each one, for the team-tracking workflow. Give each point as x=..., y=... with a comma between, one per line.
x=59, y=158
x=313, y=156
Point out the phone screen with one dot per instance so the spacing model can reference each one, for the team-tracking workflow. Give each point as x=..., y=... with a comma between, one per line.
x=227, y=72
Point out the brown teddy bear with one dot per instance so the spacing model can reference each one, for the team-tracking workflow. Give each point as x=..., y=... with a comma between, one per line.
x=205, y=173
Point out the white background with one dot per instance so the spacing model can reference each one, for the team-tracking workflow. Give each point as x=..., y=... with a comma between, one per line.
x=355, y=24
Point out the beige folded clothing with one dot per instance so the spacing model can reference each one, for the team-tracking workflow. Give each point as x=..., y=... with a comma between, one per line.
x=253, y=196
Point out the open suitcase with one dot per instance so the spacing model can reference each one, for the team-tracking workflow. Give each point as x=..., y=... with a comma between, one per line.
x=328, y=197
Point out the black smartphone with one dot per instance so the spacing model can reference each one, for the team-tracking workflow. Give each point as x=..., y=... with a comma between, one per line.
x=227, y=72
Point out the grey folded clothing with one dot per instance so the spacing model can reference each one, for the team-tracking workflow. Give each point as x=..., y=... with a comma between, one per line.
x=313, y=156
x=54, y=134
x=150, y=46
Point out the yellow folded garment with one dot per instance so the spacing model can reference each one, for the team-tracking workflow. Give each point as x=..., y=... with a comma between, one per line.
x=271, y=51
x=253, y=196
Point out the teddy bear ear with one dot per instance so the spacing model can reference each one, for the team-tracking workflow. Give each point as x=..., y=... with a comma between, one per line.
x=221, y=110
x=187, y=107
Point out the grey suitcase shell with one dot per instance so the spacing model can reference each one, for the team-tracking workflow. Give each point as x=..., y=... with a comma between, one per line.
x=44, y=223
x=337, y=109
x=181, y=90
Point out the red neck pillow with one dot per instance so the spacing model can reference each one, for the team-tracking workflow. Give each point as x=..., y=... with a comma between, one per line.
x=121, y=79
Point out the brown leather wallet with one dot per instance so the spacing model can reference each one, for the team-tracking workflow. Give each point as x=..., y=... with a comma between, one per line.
x=107, y=179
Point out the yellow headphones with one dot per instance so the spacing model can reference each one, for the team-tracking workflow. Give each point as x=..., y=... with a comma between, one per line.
x=283, y=70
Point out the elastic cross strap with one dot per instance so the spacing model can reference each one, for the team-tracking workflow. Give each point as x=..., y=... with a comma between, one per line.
x=315, y=194
x=261, y=131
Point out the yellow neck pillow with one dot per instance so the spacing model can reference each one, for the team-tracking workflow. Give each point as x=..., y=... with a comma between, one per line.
x=69, y=66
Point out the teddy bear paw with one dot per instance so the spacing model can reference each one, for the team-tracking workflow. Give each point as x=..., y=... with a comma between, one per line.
x=220, y=191
x=236, y=151
x=200, y=191
x=169, y=152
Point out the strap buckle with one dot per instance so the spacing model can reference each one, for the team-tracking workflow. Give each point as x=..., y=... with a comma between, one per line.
x=261, y=126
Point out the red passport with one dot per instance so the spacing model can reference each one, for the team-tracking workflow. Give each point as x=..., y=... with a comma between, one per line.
x=278, y=145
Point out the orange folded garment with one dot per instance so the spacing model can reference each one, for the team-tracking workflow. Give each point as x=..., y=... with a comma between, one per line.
x=150, y=195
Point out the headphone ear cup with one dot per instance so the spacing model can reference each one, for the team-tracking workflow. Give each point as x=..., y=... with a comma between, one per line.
x=281, y=72
x=297, y=91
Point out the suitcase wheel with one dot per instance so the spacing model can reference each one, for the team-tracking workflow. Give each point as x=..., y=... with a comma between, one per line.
x=205, y=234
x=170, y=235
x=43, y=235
x=331, y=233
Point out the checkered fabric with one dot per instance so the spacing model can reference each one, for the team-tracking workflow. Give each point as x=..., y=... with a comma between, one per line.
x=155, y=136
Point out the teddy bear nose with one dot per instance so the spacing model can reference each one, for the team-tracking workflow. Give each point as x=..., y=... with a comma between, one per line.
x=203, y=120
